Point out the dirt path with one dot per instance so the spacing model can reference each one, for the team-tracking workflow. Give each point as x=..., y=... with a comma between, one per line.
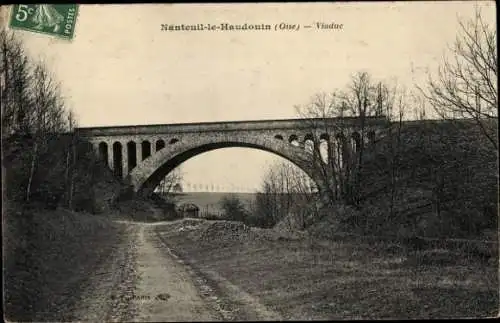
x=230, y=300
x=144, y=281
x=106, y=296
x=165, y=291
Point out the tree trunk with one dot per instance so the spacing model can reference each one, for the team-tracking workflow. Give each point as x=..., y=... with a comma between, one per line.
x=392, y=174
x=32, y=171
x=72, y=174
x=359, y=167
x=66, y=178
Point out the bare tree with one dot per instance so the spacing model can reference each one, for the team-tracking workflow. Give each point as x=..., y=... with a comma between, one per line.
x=33, y=116
x=16, y=81
x=286, y=190
x=466, y=83
x=171, y=184
x=395, y=149
x=71, y=159
x=364, y=98
x=49, y=116
x=341, y=167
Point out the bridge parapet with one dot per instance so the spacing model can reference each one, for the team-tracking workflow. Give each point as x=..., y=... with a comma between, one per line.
x=252, y=125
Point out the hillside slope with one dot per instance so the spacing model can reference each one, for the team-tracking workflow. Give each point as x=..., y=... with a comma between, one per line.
x=60, y=167
x=49, y=256
x=440, y=180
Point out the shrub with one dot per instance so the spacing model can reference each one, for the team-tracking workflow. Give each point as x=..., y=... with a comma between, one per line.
x=233, y=208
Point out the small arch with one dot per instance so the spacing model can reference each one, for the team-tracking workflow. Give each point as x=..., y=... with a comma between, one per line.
x=132, y=155
x=189, y=210
x=117, y=159
x=160, y=144
x=146, y=149
x=371, y=136
x=103, y=152
x=324, y=150
x=294, y=140
x=309, y=143
x=280, y=137
x=173, y=141
x=324, y=136
x=356, y=141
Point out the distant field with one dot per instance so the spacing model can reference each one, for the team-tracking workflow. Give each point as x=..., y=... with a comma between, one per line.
x=210, y=202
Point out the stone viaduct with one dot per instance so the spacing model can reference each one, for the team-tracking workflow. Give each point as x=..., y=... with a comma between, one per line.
x=143, y=155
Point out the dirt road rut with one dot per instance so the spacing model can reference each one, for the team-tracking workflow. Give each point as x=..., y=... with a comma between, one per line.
x=145, y=281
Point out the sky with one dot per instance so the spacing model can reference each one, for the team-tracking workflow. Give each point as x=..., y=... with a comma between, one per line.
x=121, y=68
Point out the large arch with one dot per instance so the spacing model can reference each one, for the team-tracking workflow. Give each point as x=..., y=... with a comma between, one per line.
x=146, y=176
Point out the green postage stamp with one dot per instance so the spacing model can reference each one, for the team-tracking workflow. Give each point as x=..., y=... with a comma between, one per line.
x=53, y=19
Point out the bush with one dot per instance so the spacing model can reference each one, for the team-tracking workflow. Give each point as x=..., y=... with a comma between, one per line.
x=211, y=216
x=258, y=221
x=233, y=208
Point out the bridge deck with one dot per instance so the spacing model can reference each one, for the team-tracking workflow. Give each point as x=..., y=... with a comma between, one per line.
x=225, y=126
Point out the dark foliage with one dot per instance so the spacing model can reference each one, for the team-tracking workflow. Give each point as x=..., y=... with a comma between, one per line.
x=446, y=181
x=233, y=208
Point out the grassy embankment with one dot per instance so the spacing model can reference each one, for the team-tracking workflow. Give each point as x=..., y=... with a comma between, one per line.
x=46, y=268
x=444, y=183
x=308, y=278
x=50, y=255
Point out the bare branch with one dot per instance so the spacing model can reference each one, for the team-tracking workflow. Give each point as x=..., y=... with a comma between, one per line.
x=466, y=85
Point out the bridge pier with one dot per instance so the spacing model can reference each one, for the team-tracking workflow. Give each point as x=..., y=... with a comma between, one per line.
x=124, y=159
x=109, y=147
x=138, y=150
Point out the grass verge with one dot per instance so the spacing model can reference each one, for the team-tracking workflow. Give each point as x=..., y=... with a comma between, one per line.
x=334, y=279
x=48, y=257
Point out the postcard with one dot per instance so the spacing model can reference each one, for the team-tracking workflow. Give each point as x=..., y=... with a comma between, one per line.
x=253, y=161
